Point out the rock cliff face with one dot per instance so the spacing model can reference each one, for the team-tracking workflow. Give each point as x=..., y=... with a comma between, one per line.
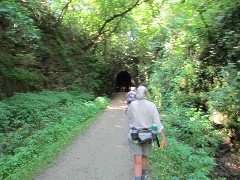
x=36, y=53
x=27, y=69
x=54, y=62
x=52, y=66
x=33, y=58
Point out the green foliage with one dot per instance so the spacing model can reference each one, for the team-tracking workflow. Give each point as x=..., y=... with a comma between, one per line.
x=95, y=75
x=180, y=161
x=198, y=72
x=32, y=124
x=192, y=142
x=24, y=76
x=19, y=27
x=195, y=74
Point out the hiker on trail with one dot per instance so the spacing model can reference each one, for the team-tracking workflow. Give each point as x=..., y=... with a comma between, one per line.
x=142, y=114
x=131, y=96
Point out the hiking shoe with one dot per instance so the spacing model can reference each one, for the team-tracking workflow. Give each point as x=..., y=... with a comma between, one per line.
x=145, y=177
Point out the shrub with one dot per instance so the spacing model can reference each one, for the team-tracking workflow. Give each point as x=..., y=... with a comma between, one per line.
x=180, y=161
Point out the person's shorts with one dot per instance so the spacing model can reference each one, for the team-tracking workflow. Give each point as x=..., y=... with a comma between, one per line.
x=139, y=149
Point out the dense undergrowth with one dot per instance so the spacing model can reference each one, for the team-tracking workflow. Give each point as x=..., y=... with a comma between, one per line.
x=36, y=126
x=192, y=143
x=195, y=82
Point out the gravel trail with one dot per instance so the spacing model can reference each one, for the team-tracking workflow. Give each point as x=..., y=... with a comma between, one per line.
x=100, y=153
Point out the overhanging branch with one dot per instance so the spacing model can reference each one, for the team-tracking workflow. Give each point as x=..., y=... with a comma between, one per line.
x=116, y=16
x=101, y=30
x=60, y=17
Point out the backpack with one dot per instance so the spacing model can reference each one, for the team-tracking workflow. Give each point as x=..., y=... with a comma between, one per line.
x=132, y=95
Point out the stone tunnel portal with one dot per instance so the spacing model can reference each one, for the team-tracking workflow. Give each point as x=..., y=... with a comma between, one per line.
x=123, y=81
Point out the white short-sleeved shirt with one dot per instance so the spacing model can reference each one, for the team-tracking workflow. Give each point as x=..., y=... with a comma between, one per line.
x=143, y=114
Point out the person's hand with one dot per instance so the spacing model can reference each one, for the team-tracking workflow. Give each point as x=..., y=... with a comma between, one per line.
x=164, y=142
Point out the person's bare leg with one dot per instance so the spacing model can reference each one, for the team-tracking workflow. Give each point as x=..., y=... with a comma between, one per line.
x=144, y=162
x=144, y=165
x=137, y=167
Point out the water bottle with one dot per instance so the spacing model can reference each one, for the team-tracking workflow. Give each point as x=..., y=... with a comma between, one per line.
x=154, y=132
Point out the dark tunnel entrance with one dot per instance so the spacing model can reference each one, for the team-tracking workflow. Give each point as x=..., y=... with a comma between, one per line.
x=123, y=81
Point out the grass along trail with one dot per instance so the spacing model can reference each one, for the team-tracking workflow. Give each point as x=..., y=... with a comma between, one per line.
x=101, y=152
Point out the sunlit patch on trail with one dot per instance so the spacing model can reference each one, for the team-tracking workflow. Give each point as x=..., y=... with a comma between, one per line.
x=119, y=146
x=116, y=107
x=117, y=126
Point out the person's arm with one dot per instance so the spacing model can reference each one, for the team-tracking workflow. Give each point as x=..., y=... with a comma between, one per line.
x=156, y=119
x=164, y=140
x=158, y=122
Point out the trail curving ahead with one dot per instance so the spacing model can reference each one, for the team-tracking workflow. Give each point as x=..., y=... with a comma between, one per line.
x=100, y=153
